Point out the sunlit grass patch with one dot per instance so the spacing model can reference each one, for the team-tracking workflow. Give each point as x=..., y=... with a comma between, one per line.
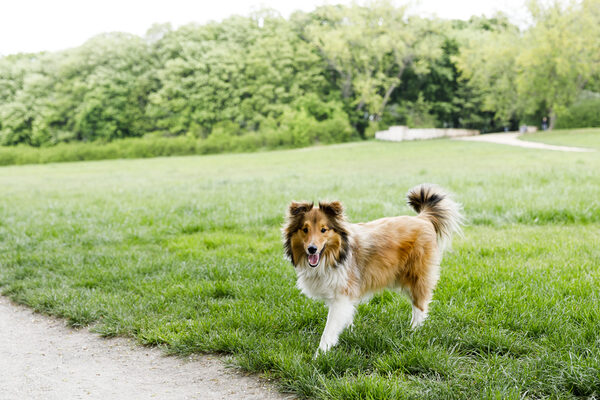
x=574, y=137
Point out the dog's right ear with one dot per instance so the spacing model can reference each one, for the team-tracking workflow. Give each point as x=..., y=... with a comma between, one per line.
x=299, y=208
x=293, y=223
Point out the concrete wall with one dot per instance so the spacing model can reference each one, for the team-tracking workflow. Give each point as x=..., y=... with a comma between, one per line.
x=400, y=133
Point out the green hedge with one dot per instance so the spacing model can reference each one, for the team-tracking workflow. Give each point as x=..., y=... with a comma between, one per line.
x=583, y=114
x=322, y=132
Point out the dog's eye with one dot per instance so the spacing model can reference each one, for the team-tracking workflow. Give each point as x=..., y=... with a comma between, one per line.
x=305, y=230
x=323, y=230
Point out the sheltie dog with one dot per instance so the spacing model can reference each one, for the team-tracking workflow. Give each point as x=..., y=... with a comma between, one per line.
x=344, y=263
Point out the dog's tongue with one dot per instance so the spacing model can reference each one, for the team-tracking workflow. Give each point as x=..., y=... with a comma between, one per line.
x=313, y=259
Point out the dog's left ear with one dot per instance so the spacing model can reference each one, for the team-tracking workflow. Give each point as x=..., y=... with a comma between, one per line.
x=333, y=208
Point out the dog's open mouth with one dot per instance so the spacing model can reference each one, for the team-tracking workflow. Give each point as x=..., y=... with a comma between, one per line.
x=313, y=259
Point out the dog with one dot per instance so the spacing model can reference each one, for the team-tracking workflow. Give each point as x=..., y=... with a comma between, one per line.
x=346, y=263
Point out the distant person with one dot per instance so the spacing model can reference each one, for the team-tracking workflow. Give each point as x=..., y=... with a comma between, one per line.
x=544, y=124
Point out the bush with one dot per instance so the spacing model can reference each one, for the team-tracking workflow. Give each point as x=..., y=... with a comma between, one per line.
x=583, y=114
x=298, y=129
x=125, y=148
x=308, y=121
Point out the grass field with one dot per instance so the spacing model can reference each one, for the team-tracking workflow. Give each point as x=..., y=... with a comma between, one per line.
x=576, y=137
x=185, y=253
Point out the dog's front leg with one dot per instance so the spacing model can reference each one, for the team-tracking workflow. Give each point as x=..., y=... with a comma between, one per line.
x=341, y=313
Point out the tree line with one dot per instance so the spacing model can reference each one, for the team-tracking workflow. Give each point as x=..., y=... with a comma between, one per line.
x=330, y=75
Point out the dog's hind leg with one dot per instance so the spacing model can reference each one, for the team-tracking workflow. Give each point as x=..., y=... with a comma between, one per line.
x=340, y=316
x=421, y=292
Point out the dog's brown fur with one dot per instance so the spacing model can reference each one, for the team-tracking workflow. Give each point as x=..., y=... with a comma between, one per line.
x=358, y=260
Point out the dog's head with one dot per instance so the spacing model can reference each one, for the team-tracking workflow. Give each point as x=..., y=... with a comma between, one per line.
x=315, y=235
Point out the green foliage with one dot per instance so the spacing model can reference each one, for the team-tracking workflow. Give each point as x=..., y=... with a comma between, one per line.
x=582, y=114
x=93, y=92
x=336, y=73
x=487, y=63
x=233, y=72
x=294, y=129
x=542, y=70
x=369, y=48
x=185, y=253
x=559, y=56
x=77, y=151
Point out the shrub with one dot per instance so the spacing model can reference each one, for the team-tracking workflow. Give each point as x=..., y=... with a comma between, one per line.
x=294, y=128
x=125, y=148
x=583, y=114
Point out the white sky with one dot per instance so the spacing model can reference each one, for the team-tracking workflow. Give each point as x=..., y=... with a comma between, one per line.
x=38, y=25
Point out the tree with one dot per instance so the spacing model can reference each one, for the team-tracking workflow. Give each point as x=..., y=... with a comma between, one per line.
x=103, y=87
x=246, y=70
x=321, y=76
x=559, y=56
x=487, y=63
x=540, y=71
x=369, y=48
x=95, y=91
x=441, y=97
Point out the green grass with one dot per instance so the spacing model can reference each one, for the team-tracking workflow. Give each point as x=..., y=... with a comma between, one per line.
x=184, y=253
x=576, y=137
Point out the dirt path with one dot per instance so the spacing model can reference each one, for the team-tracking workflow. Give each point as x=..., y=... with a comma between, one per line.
x=41, y=358
x=512, y=139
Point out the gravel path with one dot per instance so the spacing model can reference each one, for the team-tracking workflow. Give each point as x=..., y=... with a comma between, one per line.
x=512, y=139
x=42, y=358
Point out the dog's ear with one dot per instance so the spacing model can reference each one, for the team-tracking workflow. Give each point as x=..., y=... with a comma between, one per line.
x=333, y=208
x=297, y=208
x=296, y=211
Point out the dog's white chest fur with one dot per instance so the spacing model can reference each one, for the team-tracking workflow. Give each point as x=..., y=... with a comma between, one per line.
x=322, y=282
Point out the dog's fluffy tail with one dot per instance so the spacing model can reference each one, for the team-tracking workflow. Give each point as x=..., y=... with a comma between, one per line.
x=433, y=203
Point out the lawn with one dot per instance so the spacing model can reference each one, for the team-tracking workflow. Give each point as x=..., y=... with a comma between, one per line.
x=185, y=253
x=577, y=137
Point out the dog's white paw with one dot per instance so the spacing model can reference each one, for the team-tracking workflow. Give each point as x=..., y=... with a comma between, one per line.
x=418, y=317
x=416, y=325
x=321, y=350
x=327, y=343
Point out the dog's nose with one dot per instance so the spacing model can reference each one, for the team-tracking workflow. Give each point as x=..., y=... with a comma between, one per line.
x=312, y=249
